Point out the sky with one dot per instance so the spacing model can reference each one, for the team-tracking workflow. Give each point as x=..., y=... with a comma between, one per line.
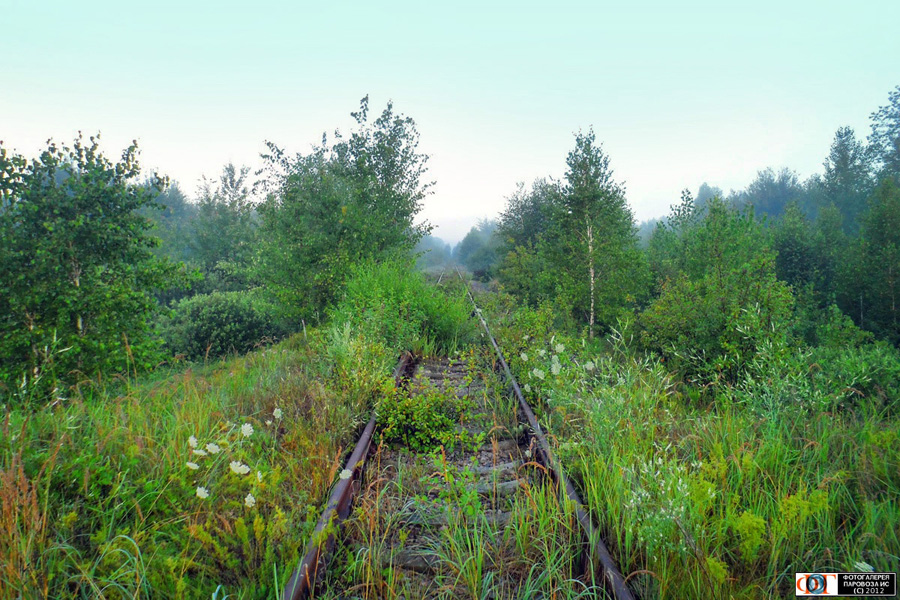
x=679, y=93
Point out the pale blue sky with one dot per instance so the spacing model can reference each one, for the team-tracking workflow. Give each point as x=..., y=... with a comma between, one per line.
x=680, y=93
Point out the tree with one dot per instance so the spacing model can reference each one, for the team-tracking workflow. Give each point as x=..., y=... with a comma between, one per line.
x=223, y=239
x=770, y=192
x=725, y=304
x=878, y=274
x=595, y=241
x=884, y=140
x=341, y=204
x=478, y=250
x=847, y=183
x=76, y=265
x=527, y=215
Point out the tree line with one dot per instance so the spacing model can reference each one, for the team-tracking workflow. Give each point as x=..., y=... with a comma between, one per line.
x=104, y=271
x=721, y=275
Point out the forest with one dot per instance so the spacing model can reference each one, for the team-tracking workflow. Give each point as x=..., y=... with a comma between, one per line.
x=723, y=383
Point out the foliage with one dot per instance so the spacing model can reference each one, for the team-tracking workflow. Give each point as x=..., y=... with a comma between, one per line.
x=723, y=501
x=770, y=192
x=878, y=273
x=478, y=250
x=885, y=137
x=432, y=254
x=344, y=203
x=220, y=323
x=725, y=304
x=423, y=421
x=77, y=266
x=223, y=235
x=393, y=304
x=575, y=244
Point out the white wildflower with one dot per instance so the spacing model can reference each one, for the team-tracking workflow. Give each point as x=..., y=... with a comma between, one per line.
x=259, y=476
x=193, y=466
x=192, y=442
x=247, y=429
x=199, y=452
x=268, y=423
x=202, y=492
x=250, y=501
x=589, y=366
x=555, y=367
x=346, y=474
x=239, y=468
x=560, y=348
x=524, y=357
x=213, y=448
x=542, y=352
x=538, y=373
x=277, y=413
x=528, y=454
x=527, y=388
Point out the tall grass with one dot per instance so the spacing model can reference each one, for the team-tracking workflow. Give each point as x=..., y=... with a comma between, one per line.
x=203, y=481
x=723, y=492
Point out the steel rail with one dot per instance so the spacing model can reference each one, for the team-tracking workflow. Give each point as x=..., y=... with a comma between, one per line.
x=600, y=558
x=322, y=542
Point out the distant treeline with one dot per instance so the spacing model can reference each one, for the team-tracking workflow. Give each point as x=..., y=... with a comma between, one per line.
x=793, y=251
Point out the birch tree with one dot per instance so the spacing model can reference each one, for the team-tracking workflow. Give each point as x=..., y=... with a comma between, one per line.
x=596, y=240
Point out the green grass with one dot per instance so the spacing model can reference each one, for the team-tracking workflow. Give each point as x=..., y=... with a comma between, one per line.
x=100, y=491
x=723, y=492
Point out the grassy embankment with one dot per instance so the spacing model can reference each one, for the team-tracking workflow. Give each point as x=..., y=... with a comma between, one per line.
x=723, y=492
x=206, y=480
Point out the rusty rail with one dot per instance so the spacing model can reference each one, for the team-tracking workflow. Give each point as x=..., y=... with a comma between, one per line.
x=600, y=557
x=322, y=542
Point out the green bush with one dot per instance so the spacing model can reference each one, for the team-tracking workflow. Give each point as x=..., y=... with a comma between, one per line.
x=422, y=421
x=393, y=303
x=220, y=323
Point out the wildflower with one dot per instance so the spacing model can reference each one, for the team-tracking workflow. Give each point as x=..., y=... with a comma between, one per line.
x=555, y=367
x=250, y=501
x=346, y=474
x=589, y=366
x=277, y=413
x=212, y=448
x=199, y=452
x=524, y=357
x=560, y=348
x=268, y=423
x=259, y=476
x=239, y=468
x=527, y=388
x=193, y=466
x=202, y=493
x=542, y=352
x=528, y=454
x=192, y=442
x=247, y=429
x=538, y=373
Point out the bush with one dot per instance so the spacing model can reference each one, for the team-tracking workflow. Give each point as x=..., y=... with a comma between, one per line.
x=394, y=304
x=220, y=323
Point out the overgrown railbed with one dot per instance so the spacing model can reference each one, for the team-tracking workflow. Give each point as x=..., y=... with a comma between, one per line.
x=721, y=490
x=204, y=481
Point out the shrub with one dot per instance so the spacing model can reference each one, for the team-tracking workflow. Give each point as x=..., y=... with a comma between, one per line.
x=394, y=304
x=219, y=323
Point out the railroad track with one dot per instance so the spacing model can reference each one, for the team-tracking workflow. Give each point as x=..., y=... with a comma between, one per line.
x=488, y=514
